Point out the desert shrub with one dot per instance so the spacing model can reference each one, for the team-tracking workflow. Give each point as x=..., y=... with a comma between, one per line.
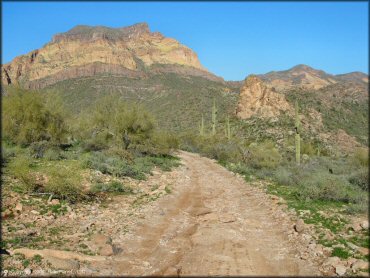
x=113, y=186
x=38, y=149
x=190, y=142
x=121, y=153
x=53, y=154
x=283, y=176
x=221, y=149
x=360, y=178
x=263, y=155
x=128, y=124
x=361, y=156
x=21, y=168
x=160, y=143
x=307, y=148
x=112, y=165
x=165, y=163
x=26, y=119
x=64, y=182
x=7, y=153
x=327, y=187
x=239, y=168
x=94, y=144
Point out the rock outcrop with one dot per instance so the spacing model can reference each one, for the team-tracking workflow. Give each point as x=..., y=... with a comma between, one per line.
x=308, y=78
x=87, y=51
x=257, y=99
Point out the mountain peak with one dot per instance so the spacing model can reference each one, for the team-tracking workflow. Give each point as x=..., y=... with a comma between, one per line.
x=86, y=32
x=302, y=67
x=89, y=50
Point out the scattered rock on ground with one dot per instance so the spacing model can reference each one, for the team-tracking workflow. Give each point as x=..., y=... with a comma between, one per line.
x=63, y=264
x=360, y=264
x=106, y=250
x=340, y=270
x=299, y=226
x=19, y=207
x=100, y=239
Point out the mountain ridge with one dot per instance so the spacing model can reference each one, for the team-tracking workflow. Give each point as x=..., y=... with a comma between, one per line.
x=87, y=51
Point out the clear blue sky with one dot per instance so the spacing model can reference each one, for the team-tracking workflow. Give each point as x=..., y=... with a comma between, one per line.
x=232, y=40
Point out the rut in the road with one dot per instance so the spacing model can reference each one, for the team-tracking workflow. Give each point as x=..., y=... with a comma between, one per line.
x=213, y=223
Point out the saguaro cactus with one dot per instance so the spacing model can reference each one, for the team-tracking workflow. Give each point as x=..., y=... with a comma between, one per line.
x=297, y=136
x=201, y=128
x=214, y=117
x=228, y=130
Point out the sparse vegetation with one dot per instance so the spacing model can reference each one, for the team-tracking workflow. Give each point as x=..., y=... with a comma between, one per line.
x=47, y=153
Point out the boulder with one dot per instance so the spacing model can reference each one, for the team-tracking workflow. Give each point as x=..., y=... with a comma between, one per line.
x=364, y=224
x=340, y=270
x=106, y=250
x=19, y=207
x=55, y=202
x=299, y=226
x=100, y=239
x=63, y=264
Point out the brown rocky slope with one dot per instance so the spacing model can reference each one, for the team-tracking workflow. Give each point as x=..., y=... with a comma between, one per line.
x=258, y=99
x=87, y=51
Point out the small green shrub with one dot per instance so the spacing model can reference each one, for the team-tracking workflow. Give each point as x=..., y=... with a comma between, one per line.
x=361, y=156
x=283, y=176
x=7, y=152
x=325, y=186
x=38, y=149
x=239, y=168
x=64, y=182
x=113, y=186
x=26, y=119
x=360, y=178
x=21, y=169
x=112, y=165
x=263, y=155
x=53, y=154
x=307, y=148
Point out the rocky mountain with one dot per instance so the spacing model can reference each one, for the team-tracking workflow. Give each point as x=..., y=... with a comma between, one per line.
x=88, y=51
x=305, y=77
x=257, y=99
x=137, y=65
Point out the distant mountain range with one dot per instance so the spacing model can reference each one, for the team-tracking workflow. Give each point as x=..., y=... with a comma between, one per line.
x=167, y=77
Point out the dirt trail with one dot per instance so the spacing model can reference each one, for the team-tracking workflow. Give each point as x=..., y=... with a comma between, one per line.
x=213, y=223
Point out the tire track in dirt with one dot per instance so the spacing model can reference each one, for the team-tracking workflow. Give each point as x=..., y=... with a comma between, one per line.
x=213, y=223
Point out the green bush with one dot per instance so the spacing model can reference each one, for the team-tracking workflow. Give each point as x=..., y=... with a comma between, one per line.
x=283, y=176
x=64, y=182
x=360, y=178
x=160, y=143
x=21, y=168
x=26, y=119
x=112, y=165
x=7, y=153
x=38, y=149
x=327, y=187
x=361, y=156
x=113, y=186
x=263, y=155
x=53, y=154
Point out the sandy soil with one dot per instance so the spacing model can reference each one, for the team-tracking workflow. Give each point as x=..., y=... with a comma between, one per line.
x=213, y=223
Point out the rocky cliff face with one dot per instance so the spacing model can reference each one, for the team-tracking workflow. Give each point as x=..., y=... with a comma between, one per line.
x=257, y=99
x=305, y=77
x=86, y=51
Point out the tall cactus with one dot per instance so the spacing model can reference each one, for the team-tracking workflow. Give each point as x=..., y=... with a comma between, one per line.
x=201, y=128
x=228, y=130
x=297, y=136
x=214, y=116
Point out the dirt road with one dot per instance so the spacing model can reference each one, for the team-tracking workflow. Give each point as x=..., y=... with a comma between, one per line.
x=213, y=223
